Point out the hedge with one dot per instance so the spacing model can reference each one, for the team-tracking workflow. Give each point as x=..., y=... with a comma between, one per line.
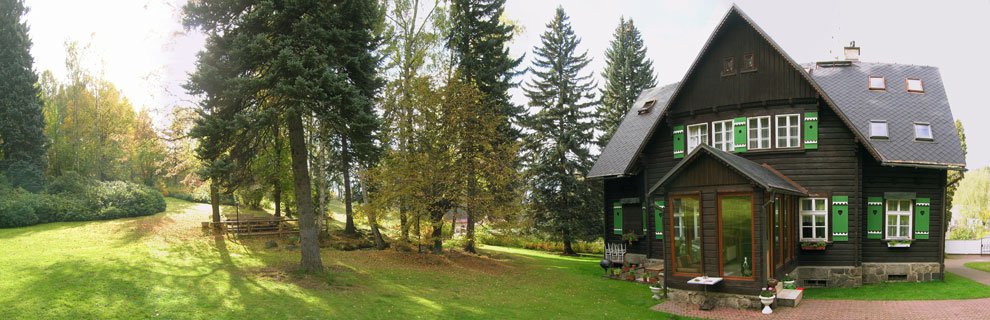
x=74, y=198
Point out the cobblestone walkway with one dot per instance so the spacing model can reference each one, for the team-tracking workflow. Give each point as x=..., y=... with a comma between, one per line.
x=847, y=310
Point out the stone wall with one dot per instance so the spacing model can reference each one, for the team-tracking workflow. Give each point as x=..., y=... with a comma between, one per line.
x=843, y=277
x=846, y=277
x=911, y=272
x=728, y=300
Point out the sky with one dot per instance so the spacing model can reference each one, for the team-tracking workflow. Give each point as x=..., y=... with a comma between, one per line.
x=140, y=45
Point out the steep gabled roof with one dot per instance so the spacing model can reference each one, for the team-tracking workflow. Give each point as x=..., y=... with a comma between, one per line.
x=619, y=160
x=761, y=175
x=620, y=152
x=847, y=86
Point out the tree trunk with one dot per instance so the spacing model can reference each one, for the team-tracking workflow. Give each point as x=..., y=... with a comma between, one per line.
x=349, y=228
x=380, y=243
x=308, y=230
x=403, y=222
x=472, y=199
x=567, y=244
x=437, y=219
x=215, y=203
x=278, y=199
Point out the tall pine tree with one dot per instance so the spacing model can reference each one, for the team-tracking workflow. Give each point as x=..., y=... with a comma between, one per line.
x=563, y=203
x=479, y=41
x=22, y=140
x=278, y=61
x=627, y=73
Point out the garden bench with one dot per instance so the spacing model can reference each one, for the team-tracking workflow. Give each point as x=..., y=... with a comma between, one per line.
x=615, y=252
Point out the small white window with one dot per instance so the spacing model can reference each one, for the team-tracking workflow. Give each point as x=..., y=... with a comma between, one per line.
x=722, y=137
x=759, y=133
x=697, y=134
x=915, y=85
x=878, y=83
x=789, y=131
x=878, y=129
x=923, y=131
x=898, y=222
x=814, y=219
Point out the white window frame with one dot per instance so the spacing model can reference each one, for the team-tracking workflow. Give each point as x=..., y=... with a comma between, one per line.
x=758, y=141
x=931, y=134
x=886, y=129
x=815, y=211
x=728, y=142
x=900, y=219
x=793, y=130
x=703, y=139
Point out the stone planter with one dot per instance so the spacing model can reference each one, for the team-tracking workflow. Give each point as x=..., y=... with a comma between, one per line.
x=656, y=292
x=766, y=301
x=789, y=284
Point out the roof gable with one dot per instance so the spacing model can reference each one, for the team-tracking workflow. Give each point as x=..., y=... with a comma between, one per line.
x=761, y=175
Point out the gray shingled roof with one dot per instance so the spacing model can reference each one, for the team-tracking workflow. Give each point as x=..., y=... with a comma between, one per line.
x=849, y=94
x=763, y=176
x=847, y=87
x=628, y=139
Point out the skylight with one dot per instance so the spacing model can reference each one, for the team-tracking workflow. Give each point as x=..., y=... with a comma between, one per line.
x=878, y=83
x=923, y=131
x=915, y=85
x=647, y=107
x=878, y=129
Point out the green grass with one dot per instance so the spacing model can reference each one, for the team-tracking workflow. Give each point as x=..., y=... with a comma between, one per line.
x=163, y=266
x=954, y=287
x=982, y=266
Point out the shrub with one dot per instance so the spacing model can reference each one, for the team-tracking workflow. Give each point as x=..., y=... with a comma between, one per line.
x=75, y=198
x=535, y=243
x=17, y=208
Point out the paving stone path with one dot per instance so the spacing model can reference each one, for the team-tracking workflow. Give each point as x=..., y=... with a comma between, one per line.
x=858, y=309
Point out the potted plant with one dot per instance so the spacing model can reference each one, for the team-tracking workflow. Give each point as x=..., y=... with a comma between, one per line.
x=772, y=284
x=766, y=298
x=789, y=282
x=813, y=245
x=899, y=243
x=656, y=288
x=630, y=237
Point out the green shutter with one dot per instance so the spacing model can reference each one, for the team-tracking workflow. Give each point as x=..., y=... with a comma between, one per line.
x=811, y=130
x=617, y=218
x=739, y=125
x=660, y=205
x=840, y=218
x=922, y=211
x=874, y=218
x=678, y=142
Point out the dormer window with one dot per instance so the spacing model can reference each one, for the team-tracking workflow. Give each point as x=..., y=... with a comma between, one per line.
x=878, y=83
x=647, y=107
x=915, y=85
x=878, y=129
x=923, y=131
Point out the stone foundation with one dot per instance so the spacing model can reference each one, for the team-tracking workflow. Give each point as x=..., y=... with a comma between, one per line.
x=846, y=277
x=728, y=300
x=842, y=277
x=894, y=272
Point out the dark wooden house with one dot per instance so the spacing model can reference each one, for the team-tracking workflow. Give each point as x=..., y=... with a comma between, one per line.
x=755, y=166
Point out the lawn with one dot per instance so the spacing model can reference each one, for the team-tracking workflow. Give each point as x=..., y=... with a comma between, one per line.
x=163, y=266
x=982, y=266
x=954, y=287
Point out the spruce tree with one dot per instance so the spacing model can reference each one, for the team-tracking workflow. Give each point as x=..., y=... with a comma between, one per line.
x=271, y=62
x=563, y=203
x=627, y=73
x=22, y=140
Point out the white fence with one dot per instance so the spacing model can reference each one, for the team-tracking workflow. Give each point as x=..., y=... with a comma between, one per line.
x=962, y=246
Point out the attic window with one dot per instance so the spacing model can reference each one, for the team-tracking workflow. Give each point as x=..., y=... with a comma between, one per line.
x=878, y=83
x=915, y=85
x=728, y=66
x=647, y=107
x=878, y=129
x=923, y=131
x=748, y=62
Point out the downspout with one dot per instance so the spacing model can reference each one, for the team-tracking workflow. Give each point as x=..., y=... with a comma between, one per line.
x=763, y=221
